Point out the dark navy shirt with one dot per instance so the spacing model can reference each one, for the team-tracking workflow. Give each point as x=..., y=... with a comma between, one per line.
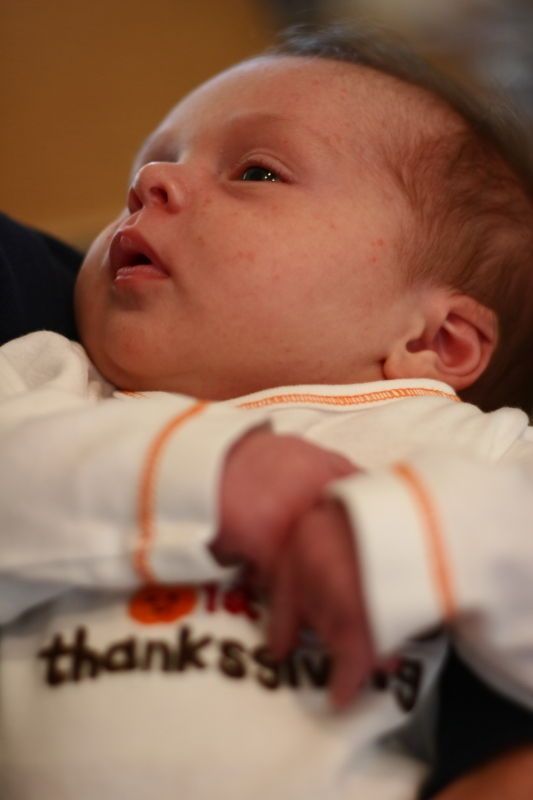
x=37, y=274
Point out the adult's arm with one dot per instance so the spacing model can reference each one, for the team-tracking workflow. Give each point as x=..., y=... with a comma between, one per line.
x=506, y=777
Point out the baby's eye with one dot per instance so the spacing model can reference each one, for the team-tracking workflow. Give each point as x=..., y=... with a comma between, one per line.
x=257, y=173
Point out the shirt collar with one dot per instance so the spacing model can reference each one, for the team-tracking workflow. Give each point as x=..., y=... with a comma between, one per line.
x=335, y=397
x=346, y=395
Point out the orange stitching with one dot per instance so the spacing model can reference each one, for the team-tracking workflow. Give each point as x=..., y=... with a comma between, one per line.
x=349, y=399
x=434, y=540
x=146, y=500
x=336, y=400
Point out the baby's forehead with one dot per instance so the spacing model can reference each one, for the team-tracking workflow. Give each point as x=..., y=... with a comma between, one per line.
x=334, y=98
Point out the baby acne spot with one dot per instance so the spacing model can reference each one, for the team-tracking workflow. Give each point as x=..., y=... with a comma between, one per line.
x=247, y=255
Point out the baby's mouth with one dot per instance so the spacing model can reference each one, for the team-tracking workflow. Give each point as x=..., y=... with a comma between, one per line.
x=130, y=256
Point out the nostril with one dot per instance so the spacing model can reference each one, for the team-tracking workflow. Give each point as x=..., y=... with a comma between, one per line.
x=159, y=195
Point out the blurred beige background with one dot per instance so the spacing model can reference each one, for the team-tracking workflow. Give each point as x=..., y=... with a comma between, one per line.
x=82, y=84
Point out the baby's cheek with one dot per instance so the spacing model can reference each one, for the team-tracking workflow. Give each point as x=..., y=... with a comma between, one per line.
x=100, y=244
x=246, y=256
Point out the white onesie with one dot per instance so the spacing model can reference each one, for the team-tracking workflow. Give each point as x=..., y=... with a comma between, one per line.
x=132, y=665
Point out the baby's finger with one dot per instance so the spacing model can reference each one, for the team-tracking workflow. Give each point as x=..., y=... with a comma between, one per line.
x=341, y=466
x=283, y=627
x=352, y=667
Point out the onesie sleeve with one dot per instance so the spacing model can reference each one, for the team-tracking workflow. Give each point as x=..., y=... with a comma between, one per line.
x=106, y=493
x=443, y=539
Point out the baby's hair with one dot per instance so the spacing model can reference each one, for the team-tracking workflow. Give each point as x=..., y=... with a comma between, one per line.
x=470, y=188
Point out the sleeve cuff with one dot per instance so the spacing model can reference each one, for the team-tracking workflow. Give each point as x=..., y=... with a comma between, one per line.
x=186, y=494
x=402, y=599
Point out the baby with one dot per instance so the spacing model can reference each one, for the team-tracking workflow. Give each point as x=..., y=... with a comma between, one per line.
x=325, y=281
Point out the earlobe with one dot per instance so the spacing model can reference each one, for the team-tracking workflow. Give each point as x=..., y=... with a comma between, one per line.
x=456, y=343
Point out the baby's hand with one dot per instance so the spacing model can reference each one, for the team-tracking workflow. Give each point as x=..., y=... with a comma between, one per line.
x=268, y=482
x=317, y=583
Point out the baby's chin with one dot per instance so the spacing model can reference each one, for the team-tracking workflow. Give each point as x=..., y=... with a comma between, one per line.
x=129, y=377
x=196, y=384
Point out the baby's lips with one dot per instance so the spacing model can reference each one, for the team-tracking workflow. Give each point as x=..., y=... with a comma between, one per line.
x=130, y=249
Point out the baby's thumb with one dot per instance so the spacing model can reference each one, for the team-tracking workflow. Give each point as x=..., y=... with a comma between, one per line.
x=341, y=466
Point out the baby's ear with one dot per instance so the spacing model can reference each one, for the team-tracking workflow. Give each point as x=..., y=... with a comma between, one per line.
x=452, y=341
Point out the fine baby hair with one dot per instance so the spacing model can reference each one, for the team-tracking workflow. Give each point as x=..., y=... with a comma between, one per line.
x=469, y=187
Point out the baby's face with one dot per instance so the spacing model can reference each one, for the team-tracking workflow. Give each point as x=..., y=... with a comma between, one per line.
x=259, y=246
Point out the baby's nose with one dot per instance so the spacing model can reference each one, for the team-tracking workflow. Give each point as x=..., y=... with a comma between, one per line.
x=157, y=184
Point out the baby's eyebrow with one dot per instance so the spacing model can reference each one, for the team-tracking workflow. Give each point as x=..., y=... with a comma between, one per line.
x=244, y=118
x=240, y=123
x=249, y=120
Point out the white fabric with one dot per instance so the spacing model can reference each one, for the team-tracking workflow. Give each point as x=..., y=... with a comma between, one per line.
x=103, y=695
